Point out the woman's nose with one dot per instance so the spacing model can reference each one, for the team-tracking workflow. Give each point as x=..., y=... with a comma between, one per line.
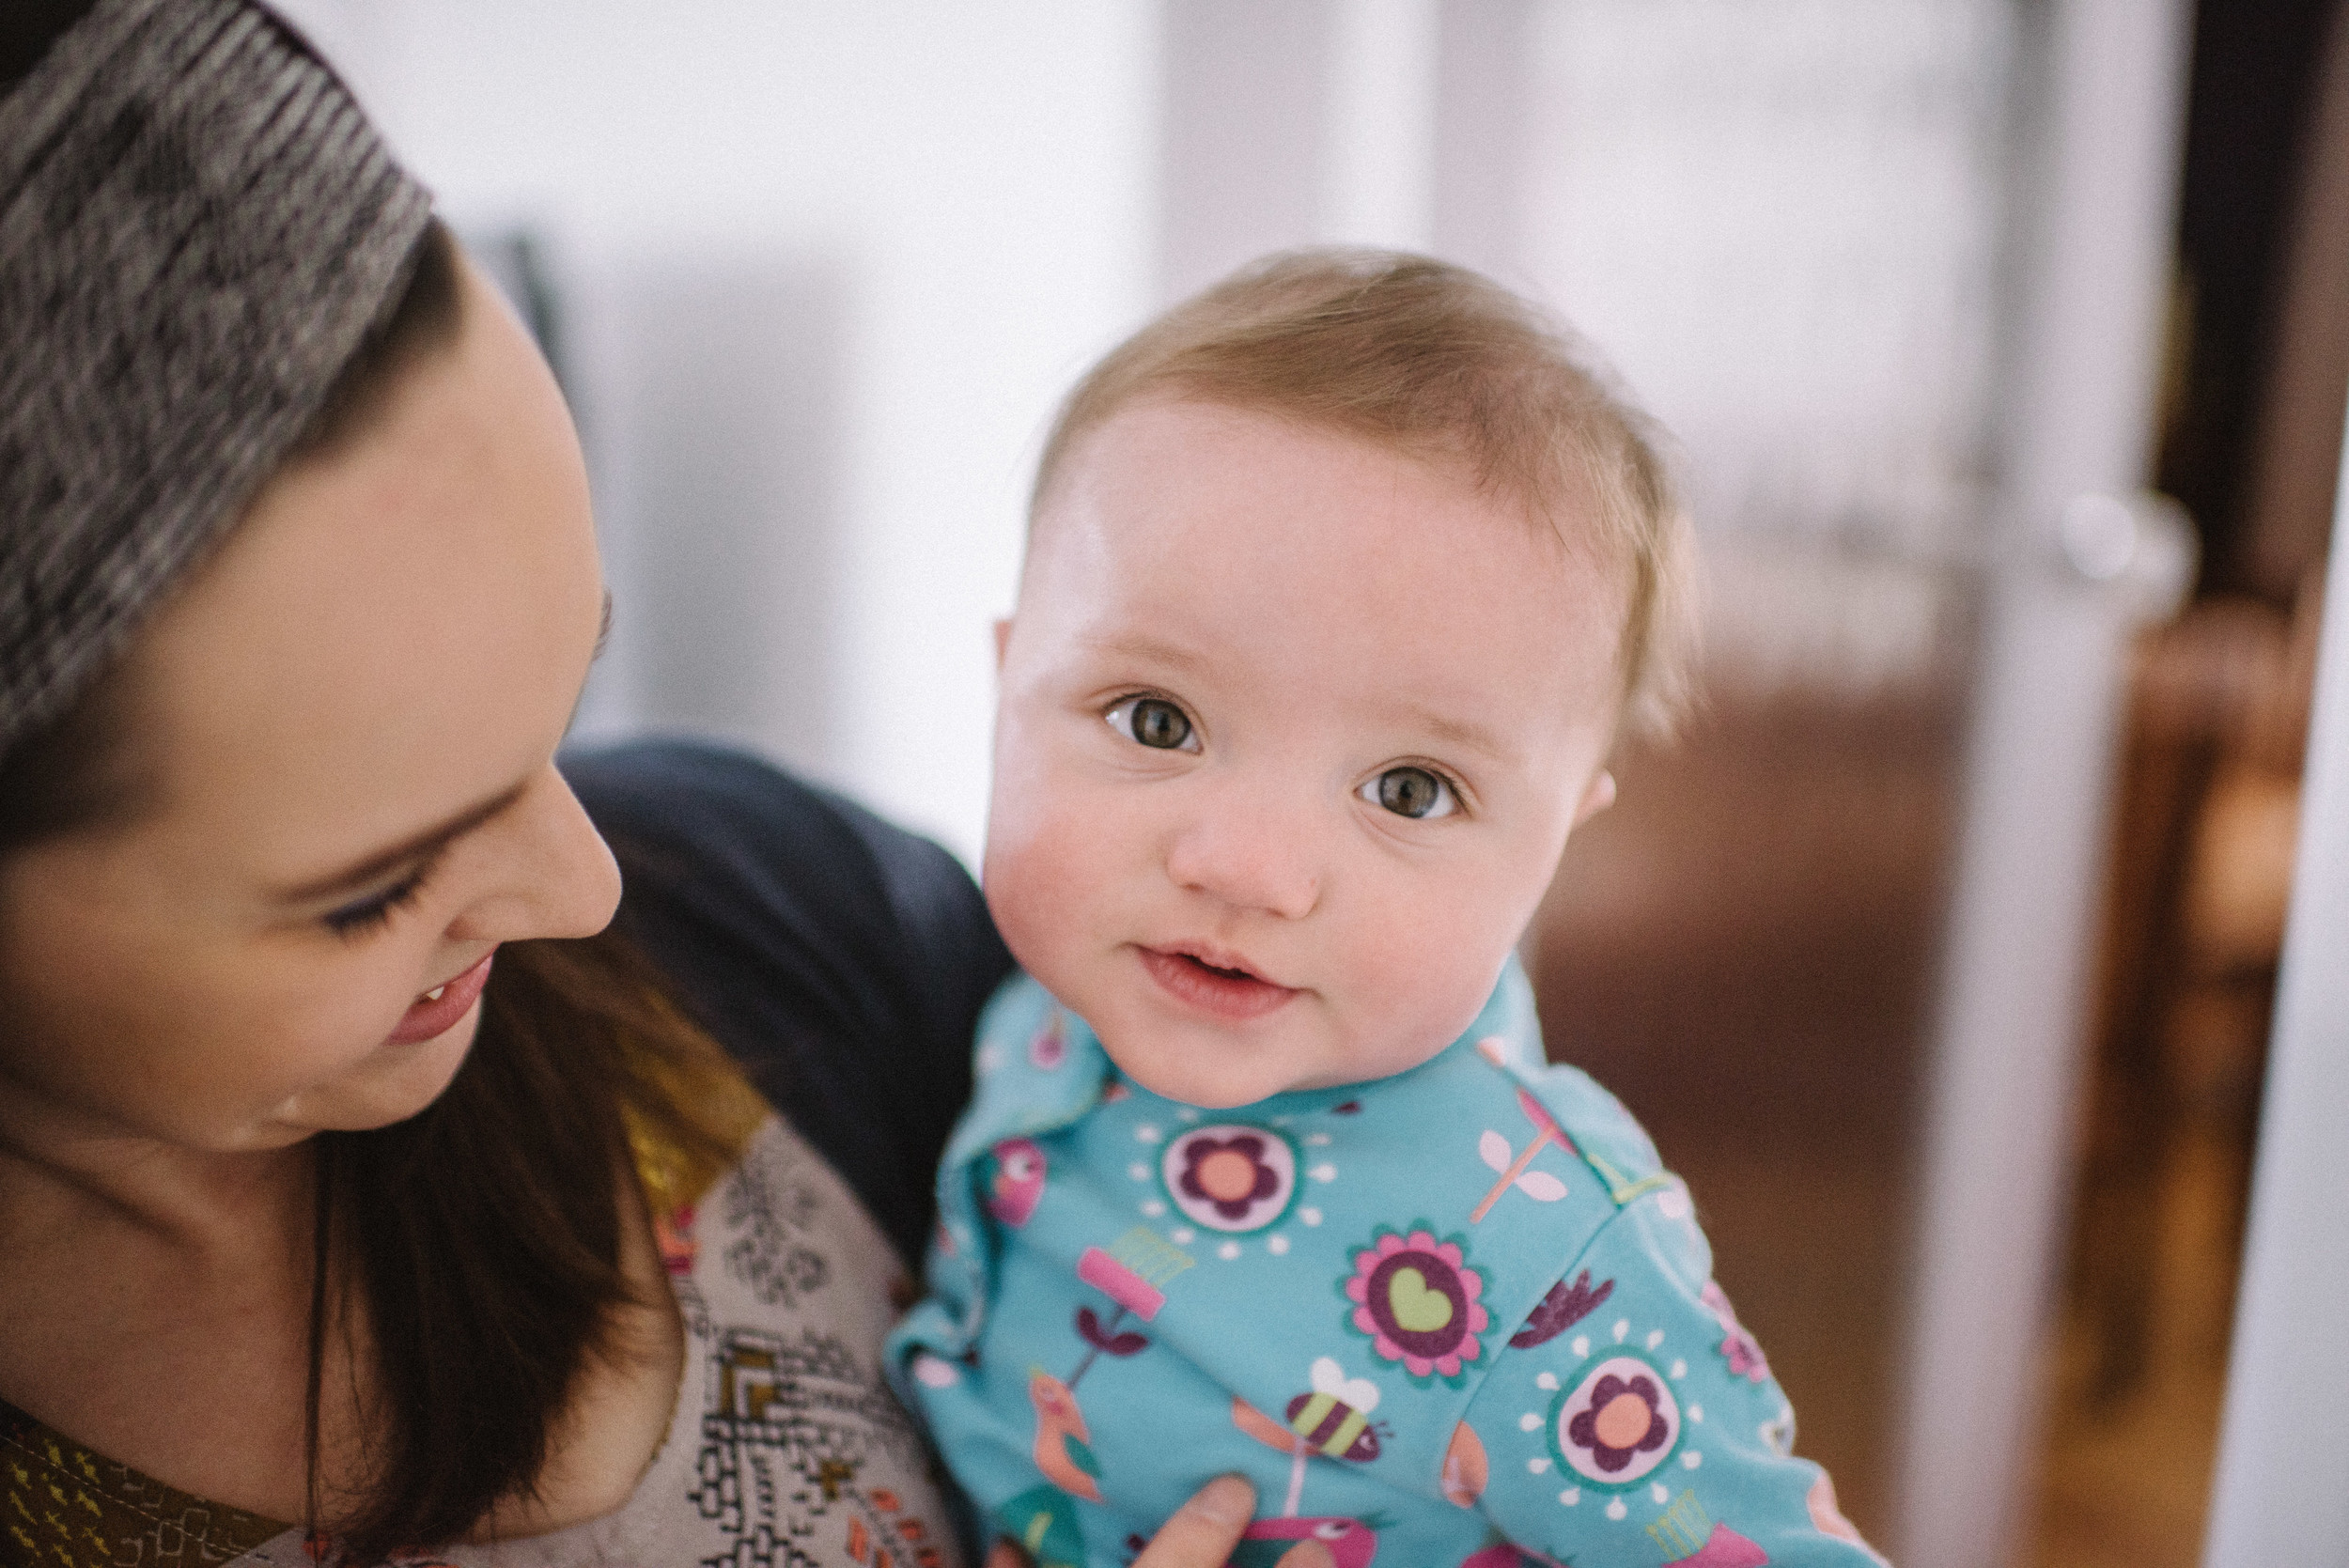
x=555, y=877
x=1249, y=856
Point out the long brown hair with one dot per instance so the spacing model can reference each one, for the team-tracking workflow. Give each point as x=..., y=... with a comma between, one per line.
x=483, y=1235
x=479, y=1240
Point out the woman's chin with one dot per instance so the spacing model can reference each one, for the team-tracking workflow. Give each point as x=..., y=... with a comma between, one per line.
x=389, y=1084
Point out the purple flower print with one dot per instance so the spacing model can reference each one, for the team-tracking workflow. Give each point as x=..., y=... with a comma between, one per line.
x=1229, y=1173
x=1622, y=1420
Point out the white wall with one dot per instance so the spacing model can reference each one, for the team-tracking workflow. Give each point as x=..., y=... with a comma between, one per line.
x=829, y=268
x=1293, y=122
x=1781, y=223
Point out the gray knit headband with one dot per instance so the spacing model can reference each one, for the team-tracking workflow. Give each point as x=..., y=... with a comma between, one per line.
x=197, y=228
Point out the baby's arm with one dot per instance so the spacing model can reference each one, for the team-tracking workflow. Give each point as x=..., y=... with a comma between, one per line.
x=1631, y=1419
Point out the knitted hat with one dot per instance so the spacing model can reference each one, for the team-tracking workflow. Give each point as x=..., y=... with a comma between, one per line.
x=198, y=229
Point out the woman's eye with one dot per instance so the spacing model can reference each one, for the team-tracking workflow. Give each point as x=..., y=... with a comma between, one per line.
x=1155, y=722
x=1412, y=792
x=364, y=916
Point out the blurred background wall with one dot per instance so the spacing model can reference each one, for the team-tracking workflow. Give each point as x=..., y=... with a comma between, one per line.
x=1866, y=949
x=819, y=274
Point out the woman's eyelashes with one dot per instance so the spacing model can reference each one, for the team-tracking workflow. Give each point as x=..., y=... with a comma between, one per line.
x=363, y=917
x=1155, y=722
x=1418, y=793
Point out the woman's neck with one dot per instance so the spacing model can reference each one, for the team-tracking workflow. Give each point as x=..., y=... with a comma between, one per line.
x=155, y=1306
x=64, y=1177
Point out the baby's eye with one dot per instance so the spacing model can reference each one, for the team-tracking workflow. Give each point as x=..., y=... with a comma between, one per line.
x=1412, y=792
x=1155, y=722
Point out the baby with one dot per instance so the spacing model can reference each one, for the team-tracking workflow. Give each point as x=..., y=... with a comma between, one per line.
x=1341, y=579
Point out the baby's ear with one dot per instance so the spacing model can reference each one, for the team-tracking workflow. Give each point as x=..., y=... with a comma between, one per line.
x=1003, y=641
x=1596, y=799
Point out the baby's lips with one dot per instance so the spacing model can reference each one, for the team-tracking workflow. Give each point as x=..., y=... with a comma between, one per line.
x=1233, y=998
x=1236, y=966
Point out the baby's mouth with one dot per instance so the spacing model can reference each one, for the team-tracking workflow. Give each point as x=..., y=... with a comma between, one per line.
x=1227, y=991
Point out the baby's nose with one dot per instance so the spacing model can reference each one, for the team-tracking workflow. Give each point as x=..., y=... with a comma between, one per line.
x=1250, y=858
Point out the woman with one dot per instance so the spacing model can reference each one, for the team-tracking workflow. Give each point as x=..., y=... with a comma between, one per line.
x=357, y=1196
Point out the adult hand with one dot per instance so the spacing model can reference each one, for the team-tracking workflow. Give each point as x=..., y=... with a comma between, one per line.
x=1201, y=1534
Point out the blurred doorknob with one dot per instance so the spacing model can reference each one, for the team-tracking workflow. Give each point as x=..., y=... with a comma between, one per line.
x=2141, y=550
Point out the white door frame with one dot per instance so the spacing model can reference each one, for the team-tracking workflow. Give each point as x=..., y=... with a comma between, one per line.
x=2098, y=110
x=2282, y=1488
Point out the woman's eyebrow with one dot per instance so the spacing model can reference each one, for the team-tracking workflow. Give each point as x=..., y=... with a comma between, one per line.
x=358, y=875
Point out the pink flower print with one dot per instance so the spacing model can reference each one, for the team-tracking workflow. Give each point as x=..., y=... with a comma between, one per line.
x=1120, y=1283
x=1048, y=1047
x=1744, y=1351
x=1620, y=1422
x=1416, y=1299
x=1230, y=1173
x=1724, y=1548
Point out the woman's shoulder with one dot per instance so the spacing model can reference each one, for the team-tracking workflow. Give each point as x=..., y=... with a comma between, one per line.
x=840, y=959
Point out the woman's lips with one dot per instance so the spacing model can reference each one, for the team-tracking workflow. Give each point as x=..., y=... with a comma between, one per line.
x=1224, y=993
x=437, y=1011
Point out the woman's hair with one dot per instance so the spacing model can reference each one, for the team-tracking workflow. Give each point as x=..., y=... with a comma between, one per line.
x=1429, y=359
x=482, y=1235
x=478, y=1240
x=83, y=770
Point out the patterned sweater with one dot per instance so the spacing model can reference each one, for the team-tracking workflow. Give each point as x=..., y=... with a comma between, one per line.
x=785, y=1446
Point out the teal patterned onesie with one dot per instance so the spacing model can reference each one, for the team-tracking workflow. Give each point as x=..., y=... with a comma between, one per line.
x=1458, y=1316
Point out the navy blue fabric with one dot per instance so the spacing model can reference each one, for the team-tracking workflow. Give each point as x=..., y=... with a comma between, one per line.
x=842, y=961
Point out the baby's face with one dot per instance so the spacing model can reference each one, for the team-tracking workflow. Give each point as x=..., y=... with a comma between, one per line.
x=1292, y=731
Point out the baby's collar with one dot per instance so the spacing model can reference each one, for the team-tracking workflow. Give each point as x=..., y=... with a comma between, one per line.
x=1039, y=1068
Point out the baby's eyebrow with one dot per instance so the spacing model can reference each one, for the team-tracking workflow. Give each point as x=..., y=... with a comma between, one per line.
x=1465, y=734
x=1150, y=650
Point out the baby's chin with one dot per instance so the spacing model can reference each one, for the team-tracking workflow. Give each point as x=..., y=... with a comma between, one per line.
x=1199, y=1085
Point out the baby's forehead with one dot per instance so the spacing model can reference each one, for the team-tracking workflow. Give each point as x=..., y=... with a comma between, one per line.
x=1224, y=530
x=1162, y=468
x=1165, y=436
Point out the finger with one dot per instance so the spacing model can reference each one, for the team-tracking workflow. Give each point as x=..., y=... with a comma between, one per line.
x=1202, y=1532
x=1005, y=1555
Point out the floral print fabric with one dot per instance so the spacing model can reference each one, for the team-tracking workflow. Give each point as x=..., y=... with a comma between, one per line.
x=1456, y=1318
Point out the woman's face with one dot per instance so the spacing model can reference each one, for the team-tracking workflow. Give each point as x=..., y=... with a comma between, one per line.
x=349, y=717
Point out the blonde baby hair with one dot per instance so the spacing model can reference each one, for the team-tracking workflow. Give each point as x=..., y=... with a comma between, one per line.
x=1438, y=361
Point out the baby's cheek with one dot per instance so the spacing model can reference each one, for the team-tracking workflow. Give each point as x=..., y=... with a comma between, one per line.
x=1022, y=914
x=1041, y=885
x=1414, y=989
